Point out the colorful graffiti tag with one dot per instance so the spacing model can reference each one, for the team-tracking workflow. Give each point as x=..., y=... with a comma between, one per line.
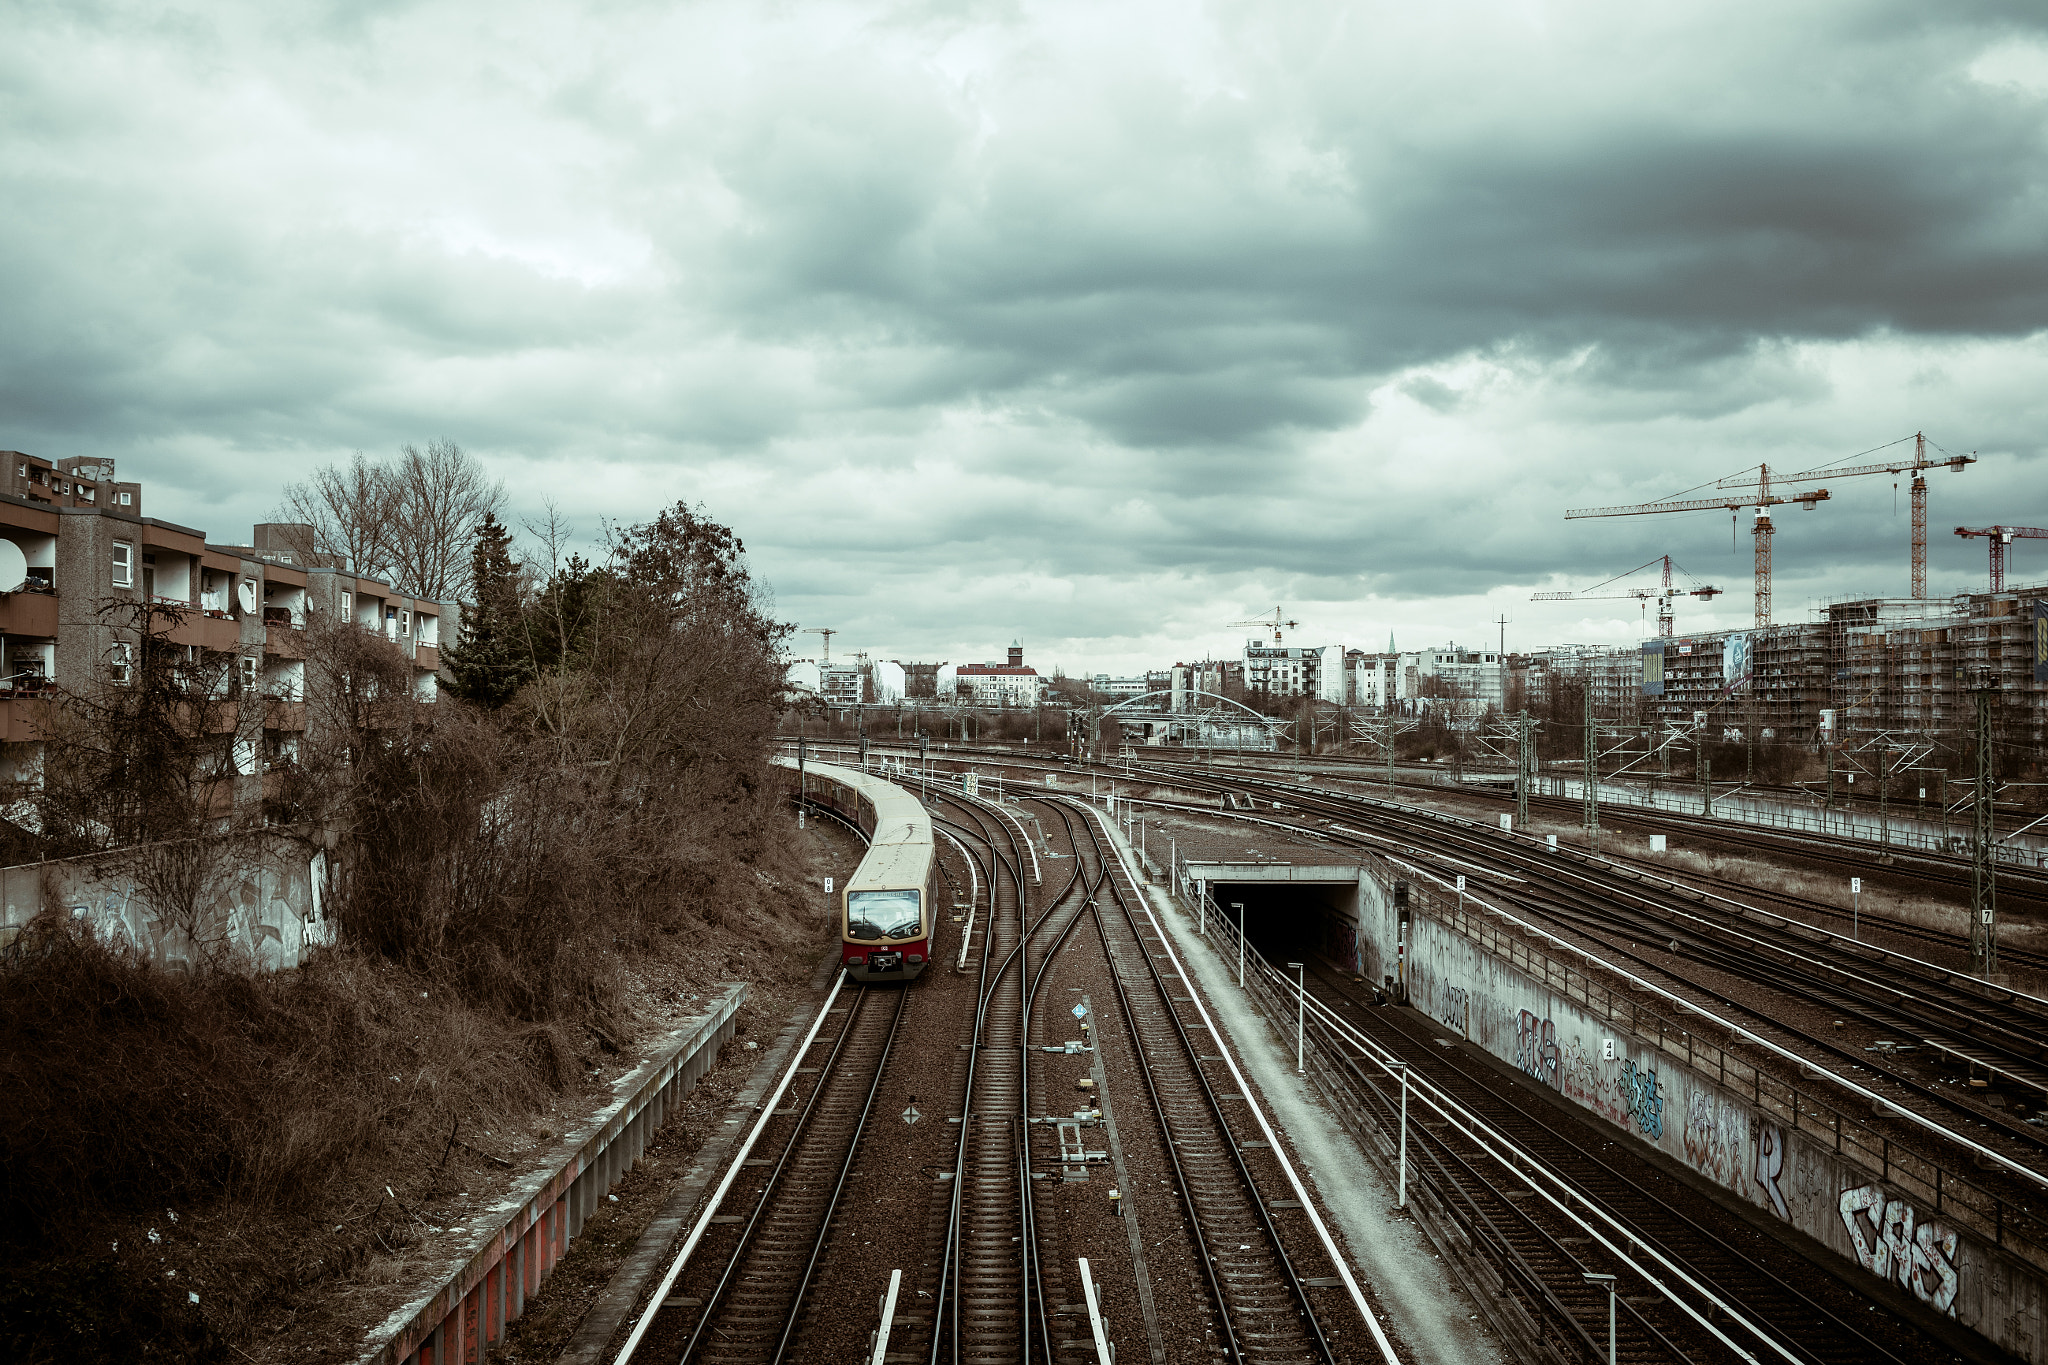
x=1536, y=1048
x=1645, y=1105
x=1890, y=1246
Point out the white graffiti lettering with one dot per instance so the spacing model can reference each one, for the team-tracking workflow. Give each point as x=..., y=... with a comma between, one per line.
x=1888, y=1245
x=1536, y=1047
x=1770, y=1165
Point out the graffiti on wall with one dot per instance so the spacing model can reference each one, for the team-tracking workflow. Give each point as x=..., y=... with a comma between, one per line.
x=1585, y=1078
x=1892, y=1246
x=1716, y=1135
x=1452, y=1004
x=1770, y=1166
x=1536, y=1048
x=1645, y=1105
x=259, y=911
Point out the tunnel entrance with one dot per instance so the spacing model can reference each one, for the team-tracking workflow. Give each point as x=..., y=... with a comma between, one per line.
x=1290, y=912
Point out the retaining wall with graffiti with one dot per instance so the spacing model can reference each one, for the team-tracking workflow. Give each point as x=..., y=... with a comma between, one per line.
x=255, y=905
x=1796, y=1178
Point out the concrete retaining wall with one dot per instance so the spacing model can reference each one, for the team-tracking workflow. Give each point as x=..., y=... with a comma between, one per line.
x=1923, y=1230
x=455, y=1322
x=258, y=906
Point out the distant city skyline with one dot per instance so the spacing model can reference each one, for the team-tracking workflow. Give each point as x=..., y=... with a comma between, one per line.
x=1095, y=327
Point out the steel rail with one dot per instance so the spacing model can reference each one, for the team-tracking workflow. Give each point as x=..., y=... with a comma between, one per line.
x=1223, y=1049
x=725, y=1183
x=799, y=1132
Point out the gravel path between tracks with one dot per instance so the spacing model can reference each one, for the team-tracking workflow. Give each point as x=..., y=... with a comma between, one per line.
x=1429, y=1315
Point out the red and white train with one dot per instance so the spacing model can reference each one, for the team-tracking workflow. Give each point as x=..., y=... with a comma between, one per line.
x=888, y=914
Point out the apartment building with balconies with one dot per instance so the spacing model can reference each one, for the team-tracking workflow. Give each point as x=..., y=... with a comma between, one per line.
x=67, y=625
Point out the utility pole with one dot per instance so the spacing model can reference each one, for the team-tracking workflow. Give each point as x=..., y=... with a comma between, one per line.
x=1502, y=622
x=1523, y=770
x=1591, y=782
x=1884, y=809
x=1749, y=741
x=1656, y=740
x=1983, y=866
x=1706, y=766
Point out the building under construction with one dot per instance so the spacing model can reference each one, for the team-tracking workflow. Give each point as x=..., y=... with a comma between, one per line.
x=1872, y=674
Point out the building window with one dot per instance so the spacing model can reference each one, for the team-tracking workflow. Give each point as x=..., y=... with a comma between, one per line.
x=127, y=499
x=347, y=604
x=404, y=624
x=124, y=564
x=120, y=664
x=248, y=666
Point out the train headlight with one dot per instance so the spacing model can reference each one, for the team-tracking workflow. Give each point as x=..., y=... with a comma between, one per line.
x=913, y=957
x=856, y=959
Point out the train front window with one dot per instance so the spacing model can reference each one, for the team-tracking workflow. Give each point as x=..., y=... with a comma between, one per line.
x=881, y=914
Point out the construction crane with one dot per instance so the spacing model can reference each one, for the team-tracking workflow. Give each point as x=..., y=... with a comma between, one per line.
x=1704, y=591
x=1997, y=539
x=1917, y=466
x=1742, y=494
x=1276, y=625
x=828, y=632
x=1752, y=489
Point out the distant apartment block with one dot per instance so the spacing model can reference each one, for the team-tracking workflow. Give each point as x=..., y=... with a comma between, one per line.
x=1011, y=683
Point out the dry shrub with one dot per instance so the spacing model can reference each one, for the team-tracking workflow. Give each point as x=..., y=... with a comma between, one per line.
x=133, y=1088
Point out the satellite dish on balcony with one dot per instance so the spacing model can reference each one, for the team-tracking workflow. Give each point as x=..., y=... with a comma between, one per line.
x=245, y=593
x=13, y=566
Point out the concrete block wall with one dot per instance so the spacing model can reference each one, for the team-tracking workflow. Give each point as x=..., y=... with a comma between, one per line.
x=457, y=1321
x=1924, y=1239
x=264, y=912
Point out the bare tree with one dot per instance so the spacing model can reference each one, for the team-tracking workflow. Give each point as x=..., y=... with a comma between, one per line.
x=439, y=497
x=348, y=508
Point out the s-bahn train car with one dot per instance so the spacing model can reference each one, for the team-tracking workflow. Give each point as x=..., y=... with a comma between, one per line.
x=888, y=916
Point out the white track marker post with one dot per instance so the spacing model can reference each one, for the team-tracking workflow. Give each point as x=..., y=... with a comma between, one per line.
x=732, y=1172
x=1588, y=1275
x=881, y=1351
x=1239, y=907
x=1856, y=908
x=1104, y=1354
x=1401, y=1192
x=1300, y=1018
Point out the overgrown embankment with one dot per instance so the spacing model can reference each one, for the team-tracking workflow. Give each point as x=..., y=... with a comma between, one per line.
x=201, y=1165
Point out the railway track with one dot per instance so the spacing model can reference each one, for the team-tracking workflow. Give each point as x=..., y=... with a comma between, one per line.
x=988, y=1307
x=2024, y=888
x=742, y=1303
x=1586, y=907
x=1783, y=1308
x=1262, y=1312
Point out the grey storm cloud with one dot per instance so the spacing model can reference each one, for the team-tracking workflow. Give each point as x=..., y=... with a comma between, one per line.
x=1108, y=323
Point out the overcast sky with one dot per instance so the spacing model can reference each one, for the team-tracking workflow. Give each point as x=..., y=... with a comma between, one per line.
x=1096, y=325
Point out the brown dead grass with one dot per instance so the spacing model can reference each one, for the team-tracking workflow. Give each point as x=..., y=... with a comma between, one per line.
x=171, y=1135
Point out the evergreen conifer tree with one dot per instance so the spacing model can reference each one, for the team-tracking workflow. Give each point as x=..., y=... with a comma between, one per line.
x=489, y=662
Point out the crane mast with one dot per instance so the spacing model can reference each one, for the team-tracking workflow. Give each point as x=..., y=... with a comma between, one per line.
x=1999, y=539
